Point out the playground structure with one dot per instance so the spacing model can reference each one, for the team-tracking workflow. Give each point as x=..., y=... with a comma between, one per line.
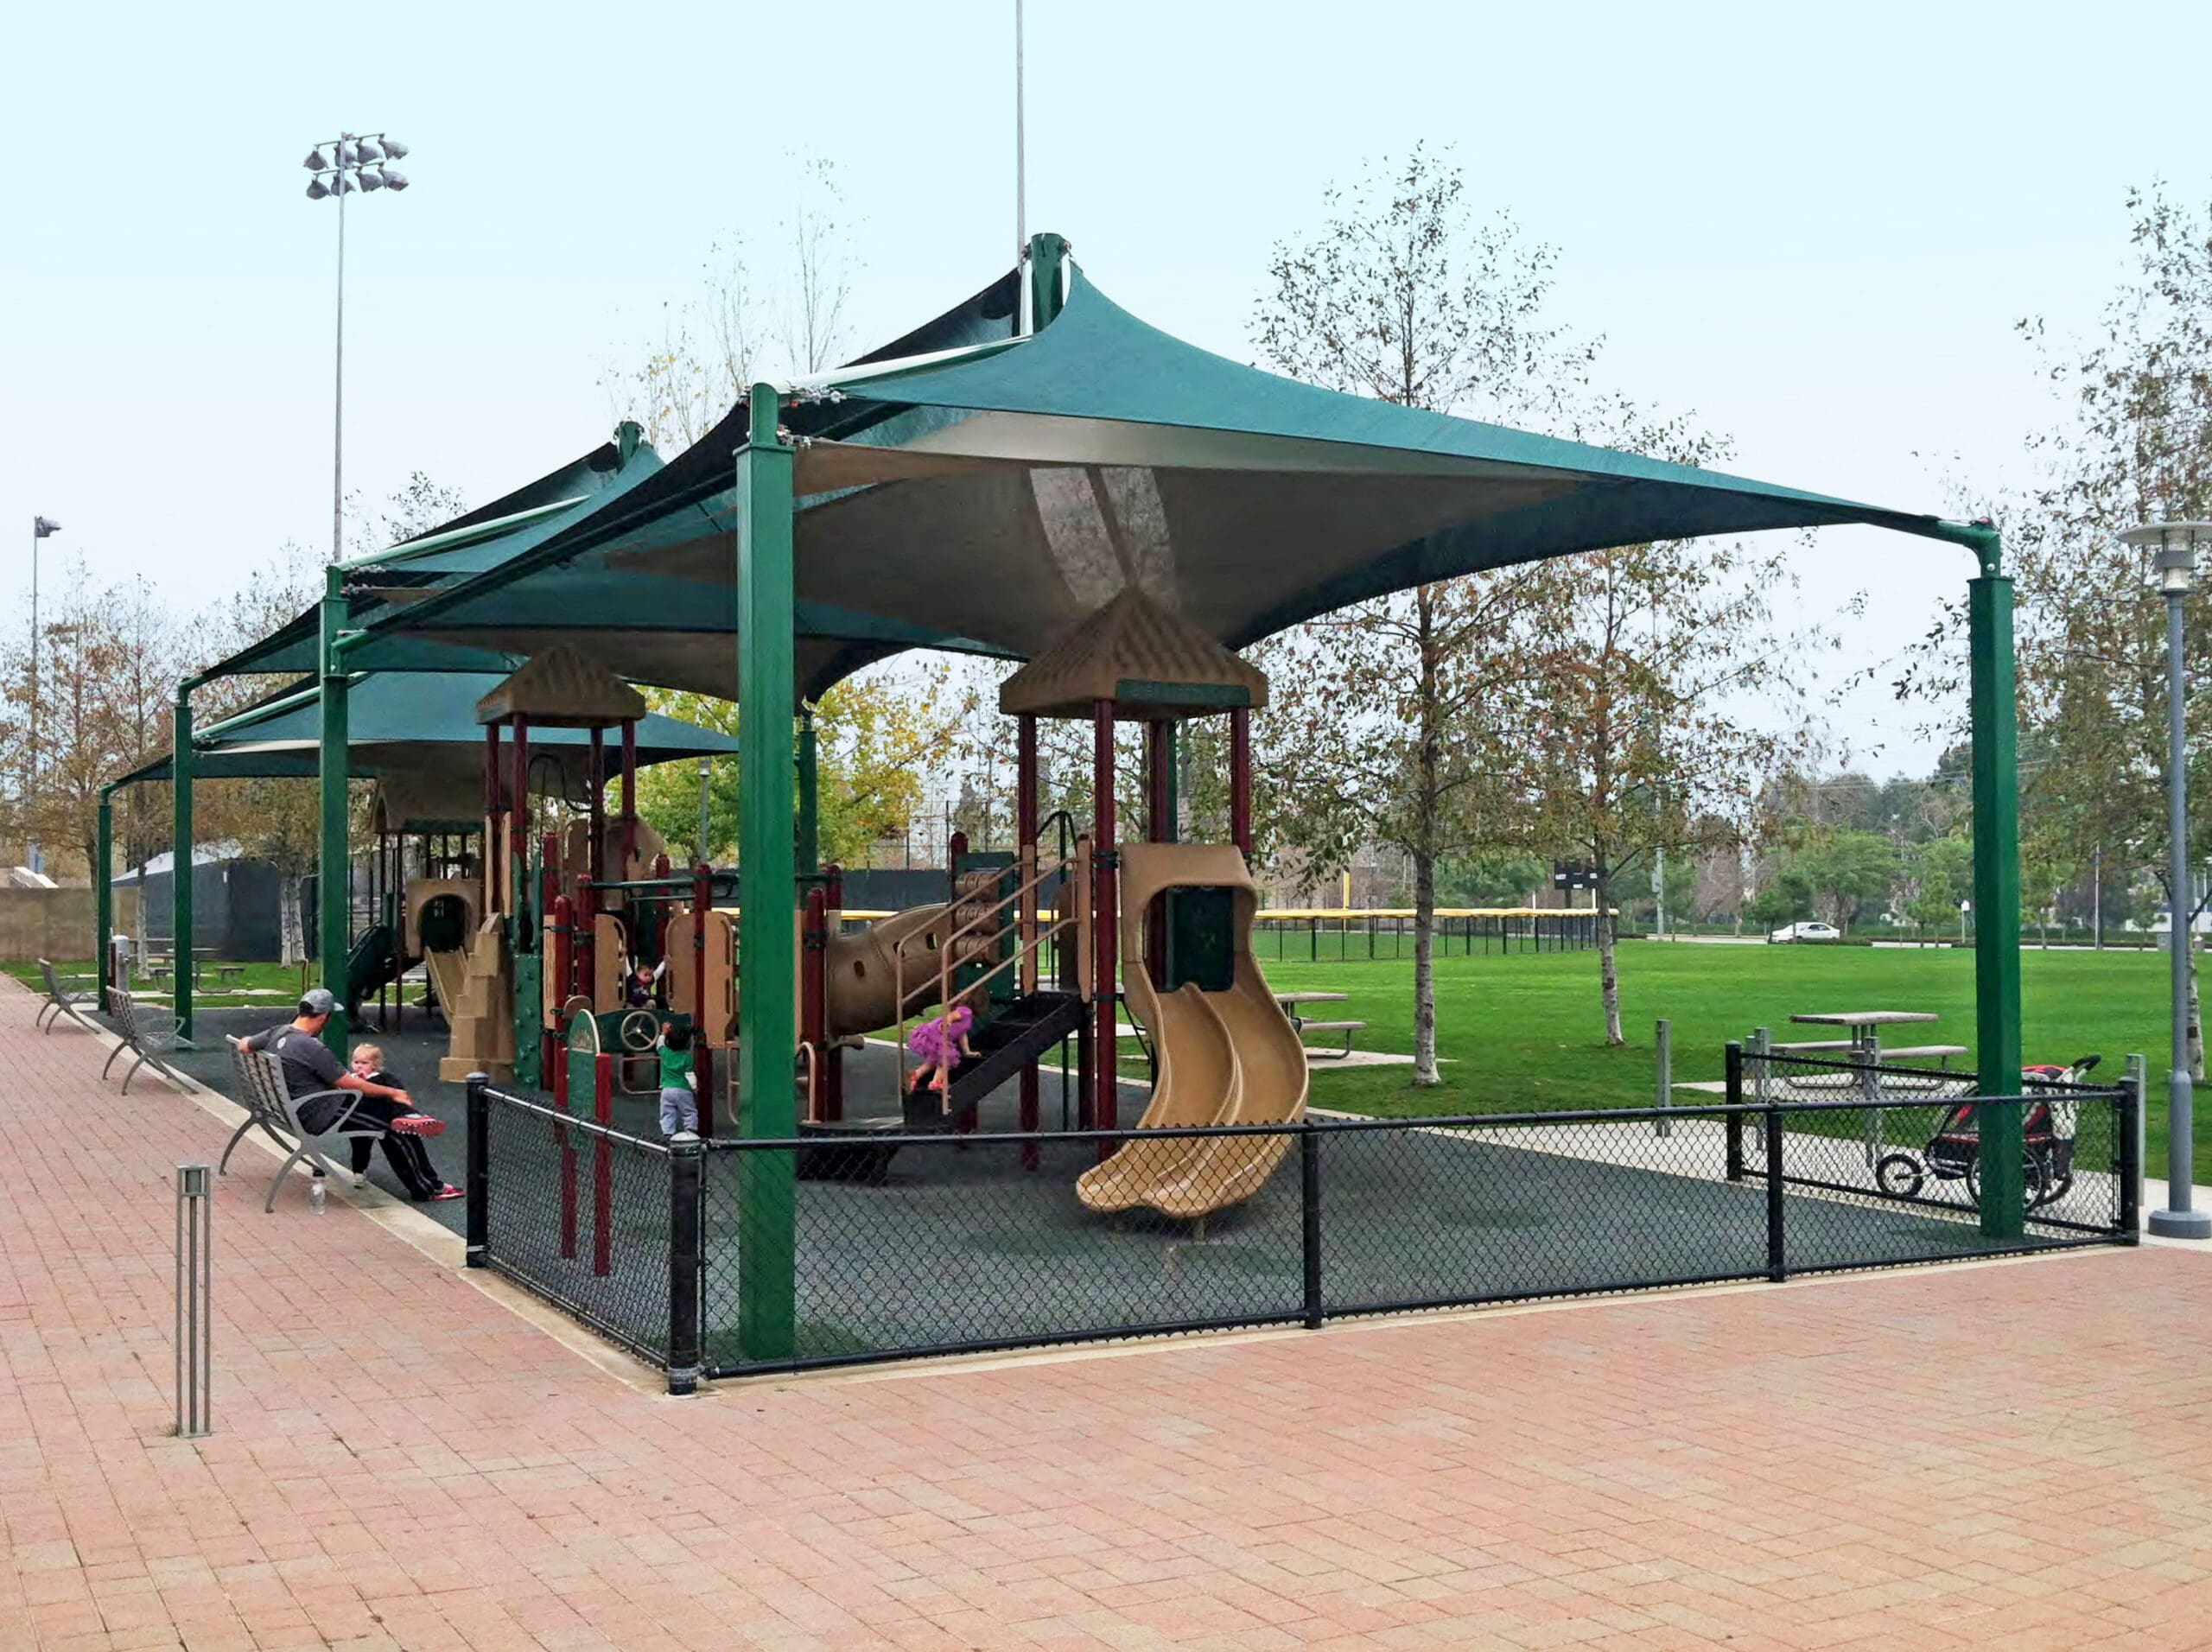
x=999, y=481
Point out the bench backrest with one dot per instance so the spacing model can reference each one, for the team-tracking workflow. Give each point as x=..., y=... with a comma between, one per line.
x=125, y=1011
x=263, y=1093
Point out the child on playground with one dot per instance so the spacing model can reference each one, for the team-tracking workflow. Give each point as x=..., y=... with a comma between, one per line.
x=941, y=1044
x=679, y=1081
x=403, y=1138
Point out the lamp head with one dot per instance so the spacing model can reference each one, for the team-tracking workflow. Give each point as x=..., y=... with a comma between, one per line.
x=2173, y=547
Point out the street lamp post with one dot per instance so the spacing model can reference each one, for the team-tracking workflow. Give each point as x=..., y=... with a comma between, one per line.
x=2174, y=562
x=354, y=163
x=41, y=529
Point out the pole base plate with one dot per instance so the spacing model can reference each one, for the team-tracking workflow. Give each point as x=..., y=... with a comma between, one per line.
x=2180, y=1225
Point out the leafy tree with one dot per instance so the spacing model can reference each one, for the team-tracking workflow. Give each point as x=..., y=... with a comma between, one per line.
x=1942, y=874
x=1848, y=870
x=878, y=740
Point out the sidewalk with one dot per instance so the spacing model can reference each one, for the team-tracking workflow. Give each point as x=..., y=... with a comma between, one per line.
x=2005, y=1454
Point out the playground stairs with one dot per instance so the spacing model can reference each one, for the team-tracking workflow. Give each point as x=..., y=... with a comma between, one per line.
x=481, y=1018
x=1012, y=1038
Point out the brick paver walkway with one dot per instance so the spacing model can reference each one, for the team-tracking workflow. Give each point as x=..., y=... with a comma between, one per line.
x=2002, y=1456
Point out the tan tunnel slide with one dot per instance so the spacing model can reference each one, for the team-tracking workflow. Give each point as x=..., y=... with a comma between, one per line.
x=1224, y=1057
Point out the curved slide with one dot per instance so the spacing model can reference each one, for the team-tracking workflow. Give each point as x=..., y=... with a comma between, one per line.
x=446, y=970
x=1225, y=1056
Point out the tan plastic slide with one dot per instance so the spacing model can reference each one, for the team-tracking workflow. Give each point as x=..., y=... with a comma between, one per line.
x=1224, y=1057
x=445, y=970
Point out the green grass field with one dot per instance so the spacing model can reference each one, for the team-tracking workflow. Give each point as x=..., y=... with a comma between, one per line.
x=1528, y=1030
x=265, y=978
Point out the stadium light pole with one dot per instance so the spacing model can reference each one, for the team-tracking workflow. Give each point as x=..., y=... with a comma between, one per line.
x=354, y=164
x=2174, y=561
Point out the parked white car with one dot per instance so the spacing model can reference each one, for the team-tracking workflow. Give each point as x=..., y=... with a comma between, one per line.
x=1807, y=931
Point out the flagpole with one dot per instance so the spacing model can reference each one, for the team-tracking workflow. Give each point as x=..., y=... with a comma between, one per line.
x=1021, y=176
x=40, y=529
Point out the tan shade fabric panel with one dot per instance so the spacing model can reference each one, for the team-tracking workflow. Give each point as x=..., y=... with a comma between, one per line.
x=1140, y=654
x=563, y=688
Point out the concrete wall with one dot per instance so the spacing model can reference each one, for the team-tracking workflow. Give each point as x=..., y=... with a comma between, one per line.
x=54, y=924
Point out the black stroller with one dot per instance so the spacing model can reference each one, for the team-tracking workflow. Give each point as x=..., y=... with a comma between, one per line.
x=1954, y=1153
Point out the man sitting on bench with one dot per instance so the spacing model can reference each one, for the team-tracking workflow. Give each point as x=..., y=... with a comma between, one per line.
x=311, y=1070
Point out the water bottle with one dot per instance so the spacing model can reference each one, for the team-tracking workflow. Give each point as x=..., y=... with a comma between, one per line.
x=316, y=1196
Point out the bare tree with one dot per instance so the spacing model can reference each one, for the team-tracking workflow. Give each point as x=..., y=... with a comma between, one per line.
x=1390, y=713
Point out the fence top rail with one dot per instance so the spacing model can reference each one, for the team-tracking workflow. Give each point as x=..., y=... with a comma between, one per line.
x=573, y=1121
x=831, y=1141
x=1954, y=1075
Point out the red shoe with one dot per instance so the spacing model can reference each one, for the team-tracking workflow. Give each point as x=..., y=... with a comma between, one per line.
x=449, y=1191
x=418, y=1124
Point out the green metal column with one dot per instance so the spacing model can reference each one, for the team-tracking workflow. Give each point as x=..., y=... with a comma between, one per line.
x=103, y=891
x=810, y=822
x=1996, y=886
x=767, y=1095
x=334, y=916
x=180, y=856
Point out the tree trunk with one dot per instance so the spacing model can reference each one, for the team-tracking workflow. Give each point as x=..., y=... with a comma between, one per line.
x=1424, y=969
x=1609, y=974
x=2196, y=1019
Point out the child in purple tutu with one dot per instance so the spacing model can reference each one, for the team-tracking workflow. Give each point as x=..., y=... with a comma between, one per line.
x=942, y=1045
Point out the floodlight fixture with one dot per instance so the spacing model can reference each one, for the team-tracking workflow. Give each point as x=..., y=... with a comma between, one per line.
x=317, y=189
x=394, y=180
x=315, y=162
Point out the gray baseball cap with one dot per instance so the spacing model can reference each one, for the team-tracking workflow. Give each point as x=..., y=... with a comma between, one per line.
x=317, y=1000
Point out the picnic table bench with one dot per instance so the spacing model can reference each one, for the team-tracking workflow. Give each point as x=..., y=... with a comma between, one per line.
x=227, y=973
x=1294, y=1002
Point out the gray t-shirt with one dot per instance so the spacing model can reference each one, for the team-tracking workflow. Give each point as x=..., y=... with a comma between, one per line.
x=307, y=1062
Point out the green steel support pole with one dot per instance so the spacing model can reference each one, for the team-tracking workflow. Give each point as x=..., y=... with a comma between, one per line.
x=767, y=1095
x=334, y=918
x=180, y=766
x=1996, y=887
x=1171, y=740
x=103, y=891
x=810, y=824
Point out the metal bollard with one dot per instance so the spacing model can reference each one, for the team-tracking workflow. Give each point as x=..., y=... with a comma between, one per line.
x=196, y=1258
x=1662, y=1038
x=2138, y=1078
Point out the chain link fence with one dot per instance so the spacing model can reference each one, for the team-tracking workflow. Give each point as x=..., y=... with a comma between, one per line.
x=828, y=1251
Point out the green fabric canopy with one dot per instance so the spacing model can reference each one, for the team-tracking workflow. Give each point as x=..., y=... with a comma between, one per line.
x=1003, y=493
x=405, y=723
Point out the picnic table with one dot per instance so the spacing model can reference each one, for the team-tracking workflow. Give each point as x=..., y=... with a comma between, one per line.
x=1866, y=1053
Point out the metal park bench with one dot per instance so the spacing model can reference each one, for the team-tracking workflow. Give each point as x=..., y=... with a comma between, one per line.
x=62, y=998
x=269, y=1104
x=148, y=1033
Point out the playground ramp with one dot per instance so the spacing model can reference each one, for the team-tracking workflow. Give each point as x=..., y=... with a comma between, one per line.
x=1229, y=1057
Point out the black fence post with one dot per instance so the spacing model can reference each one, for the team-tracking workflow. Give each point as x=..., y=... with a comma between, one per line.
x=685, y=1161
x=2126, y=1113
x=479, y=1175
x=1735, y=1098
x=1309, y=1194
x=1777, y=1258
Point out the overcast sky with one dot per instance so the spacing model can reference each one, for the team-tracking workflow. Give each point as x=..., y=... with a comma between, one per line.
x=1814, y=228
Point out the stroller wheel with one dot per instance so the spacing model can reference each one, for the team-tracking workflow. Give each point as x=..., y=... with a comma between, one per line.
x=2033, y=1184
x=1899, y=1175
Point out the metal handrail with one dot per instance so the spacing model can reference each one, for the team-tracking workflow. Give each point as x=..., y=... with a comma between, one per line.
x=1024, y=947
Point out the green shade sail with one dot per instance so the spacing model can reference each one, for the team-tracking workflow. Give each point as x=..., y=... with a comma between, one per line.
x=398, y=724
x=989, y=492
